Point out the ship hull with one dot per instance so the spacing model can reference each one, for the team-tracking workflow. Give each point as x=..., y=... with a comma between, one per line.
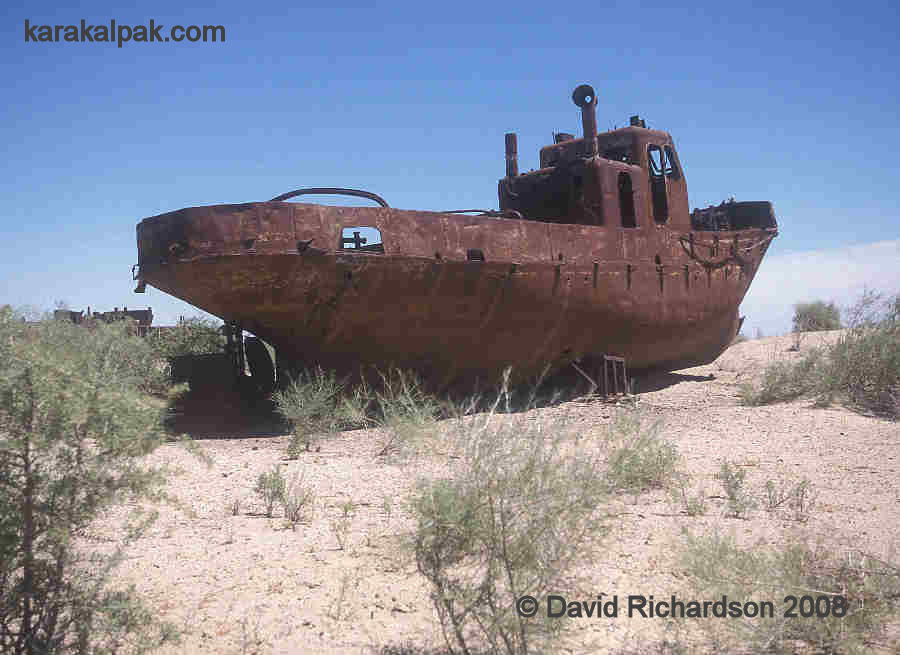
x=545, y=294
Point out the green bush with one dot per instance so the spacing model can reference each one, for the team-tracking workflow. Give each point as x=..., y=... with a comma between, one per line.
x=313, y=404
x=271, y=487
x=871, y=588
x=783, y=380
x=406, y=410
x=796, y=496
x=864, y=365
x=297, y=501
x=861, y=368
x=341, y=525
x=692, y=504
x=319, y=404
x=522, y=503
x=815, y=316
x=192, y=336
x=739, y=500
x=639, y=459
x=516, y=516
x=74, y=421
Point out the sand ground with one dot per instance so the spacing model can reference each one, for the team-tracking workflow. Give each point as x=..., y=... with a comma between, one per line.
x=244, y=583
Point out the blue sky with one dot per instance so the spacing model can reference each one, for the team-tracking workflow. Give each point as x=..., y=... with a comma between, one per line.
x=797, y=105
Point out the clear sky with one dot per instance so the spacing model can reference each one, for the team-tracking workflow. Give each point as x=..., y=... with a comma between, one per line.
x=794, y=104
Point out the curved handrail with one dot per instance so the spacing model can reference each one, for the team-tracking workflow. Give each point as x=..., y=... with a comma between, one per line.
x=332, y=191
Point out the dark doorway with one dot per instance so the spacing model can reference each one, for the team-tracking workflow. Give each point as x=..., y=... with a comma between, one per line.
x=626, y=201
x=658, y=184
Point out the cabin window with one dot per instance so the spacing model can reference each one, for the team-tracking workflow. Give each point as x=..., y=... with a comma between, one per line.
x=658, y=184
x=670, y=168
x=626, y=201
x=361, y=239
x=656, y=163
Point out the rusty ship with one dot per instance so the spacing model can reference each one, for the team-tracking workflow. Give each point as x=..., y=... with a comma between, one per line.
x=594, y=254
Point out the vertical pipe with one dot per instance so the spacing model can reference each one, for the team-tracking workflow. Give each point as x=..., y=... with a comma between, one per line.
x=584, y=97
x=512, y=155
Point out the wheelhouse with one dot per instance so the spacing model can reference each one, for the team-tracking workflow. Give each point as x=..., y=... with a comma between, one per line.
x=629, y=178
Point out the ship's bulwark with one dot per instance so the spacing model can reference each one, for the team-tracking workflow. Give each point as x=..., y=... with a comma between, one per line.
x=545, y=293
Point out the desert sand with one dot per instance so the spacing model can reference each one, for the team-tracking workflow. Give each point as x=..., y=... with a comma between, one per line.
x=243, y=583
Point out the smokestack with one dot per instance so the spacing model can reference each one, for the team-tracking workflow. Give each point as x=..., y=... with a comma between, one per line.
x=584, y=97
x=512, y=155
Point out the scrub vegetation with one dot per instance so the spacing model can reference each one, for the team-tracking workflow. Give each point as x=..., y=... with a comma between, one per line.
x=861, y=369
x=76, y=418
x=516, y=494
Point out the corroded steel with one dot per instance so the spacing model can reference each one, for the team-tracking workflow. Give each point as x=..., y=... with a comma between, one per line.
x=512, y=155
x=460, y=297
x=584, y=97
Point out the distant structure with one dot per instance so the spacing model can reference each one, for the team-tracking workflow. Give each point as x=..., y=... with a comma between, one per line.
x=143, y=317
x=68, y=315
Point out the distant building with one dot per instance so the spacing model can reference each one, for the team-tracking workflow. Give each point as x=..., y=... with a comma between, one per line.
x=143, y=317
x=68, y=315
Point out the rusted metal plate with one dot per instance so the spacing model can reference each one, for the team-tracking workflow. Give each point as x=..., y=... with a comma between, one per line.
x=522, y=306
